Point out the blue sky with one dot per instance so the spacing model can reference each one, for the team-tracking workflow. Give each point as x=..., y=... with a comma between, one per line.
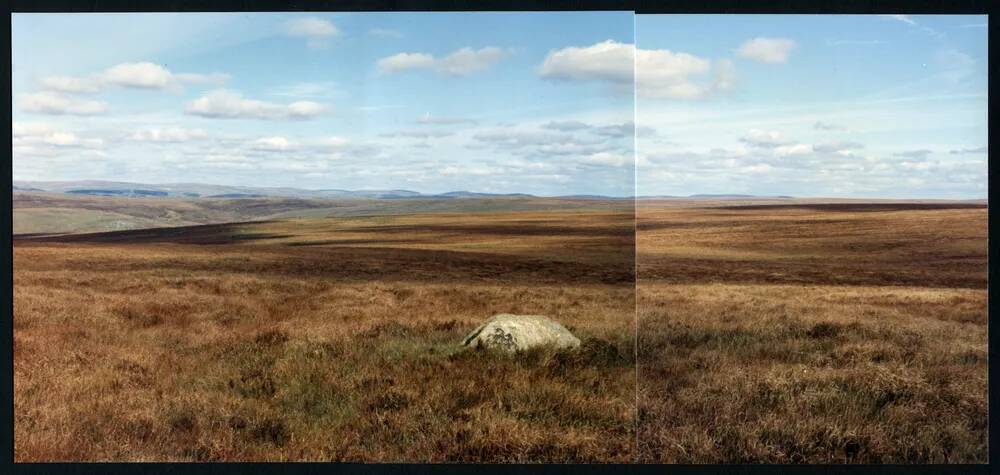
x=431, y=102
x=543, y=103
x=810, y=105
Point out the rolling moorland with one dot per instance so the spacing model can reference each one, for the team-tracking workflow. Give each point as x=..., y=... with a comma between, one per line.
x=326, y=339
x=58, y=213
x=769, y=330
x=812, y=333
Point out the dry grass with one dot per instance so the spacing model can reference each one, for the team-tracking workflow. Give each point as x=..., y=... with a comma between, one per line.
x=823, y=334
x=242, y=342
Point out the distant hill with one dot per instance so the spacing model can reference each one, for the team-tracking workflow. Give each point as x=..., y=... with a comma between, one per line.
x=80, y=210
x=198, y=190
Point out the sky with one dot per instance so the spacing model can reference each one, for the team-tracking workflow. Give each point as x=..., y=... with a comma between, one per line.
x=430, y=102
x=812, y=105
x=610, y=103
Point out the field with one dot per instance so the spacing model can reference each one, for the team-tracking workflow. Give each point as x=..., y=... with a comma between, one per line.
x=782, y=332
x=812, y=333
x=326, y=339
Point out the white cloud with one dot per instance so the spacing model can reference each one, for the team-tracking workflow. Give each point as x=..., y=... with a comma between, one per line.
x=168, y=135
x=419, y=134
x=57, y=104
x=404, y=61
x=664, y=74
x=792, y=150
x=763, y=138
x=141, y=75
x=902, y=18
x=43, y=140
x=69, y=84
x=305, y=109
x=907, y=19
x=462, y=62
x=766, y=50
x=607, y=159
x=428, y=119
x=315, y=30
x=658, y=74
x=467, y=61
x=272, y=143
x=963, y=151
x=473, y=170
x=225, y=104
x=565, y=126
x=839, y=147
x=609, y=61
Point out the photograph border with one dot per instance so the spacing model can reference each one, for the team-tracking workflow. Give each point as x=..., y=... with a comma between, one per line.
x=640, y=7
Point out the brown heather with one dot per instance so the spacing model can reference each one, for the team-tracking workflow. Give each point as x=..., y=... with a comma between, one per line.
x=790, y=334
x=325, y=339
x=812, y=334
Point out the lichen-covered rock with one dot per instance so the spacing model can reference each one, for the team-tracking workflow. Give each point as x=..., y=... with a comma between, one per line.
x=512, y=333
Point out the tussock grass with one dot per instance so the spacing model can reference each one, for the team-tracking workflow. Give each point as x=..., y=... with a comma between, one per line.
x=257, y=350
x=818, y=336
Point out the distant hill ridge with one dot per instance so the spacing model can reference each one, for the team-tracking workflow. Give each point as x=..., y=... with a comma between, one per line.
x=199, y=190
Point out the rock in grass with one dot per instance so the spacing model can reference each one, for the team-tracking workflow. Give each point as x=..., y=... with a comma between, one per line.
x=512, y=333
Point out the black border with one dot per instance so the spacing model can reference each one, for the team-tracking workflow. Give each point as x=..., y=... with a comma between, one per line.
x=639, y=7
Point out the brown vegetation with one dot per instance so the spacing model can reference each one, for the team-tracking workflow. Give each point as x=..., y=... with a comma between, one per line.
x=325, y=339
x=812, y=334
x=800, y=333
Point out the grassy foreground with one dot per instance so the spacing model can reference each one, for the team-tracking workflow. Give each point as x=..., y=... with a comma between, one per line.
x=812, y=334
x=325, y=339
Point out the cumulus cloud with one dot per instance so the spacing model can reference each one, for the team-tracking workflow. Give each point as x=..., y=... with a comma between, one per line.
x=766, y=50
x=463, y=62
x=609, y=61
x=57, y=104
x=404, y=62
x=44, y=140
x=657, y=74
x=225, y=104
x=141, y=75
x=315, y=30
x=69, y=84
x=664, y=74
